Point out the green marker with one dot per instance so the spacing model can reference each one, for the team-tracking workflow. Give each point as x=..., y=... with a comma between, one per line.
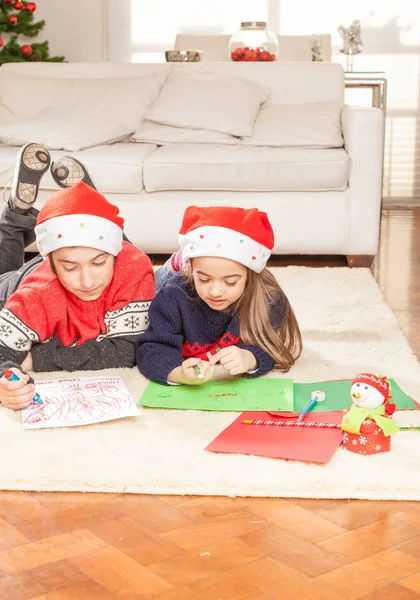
x=197, y=370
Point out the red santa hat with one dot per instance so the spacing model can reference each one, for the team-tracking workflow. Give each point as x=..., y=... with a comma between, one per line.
x=239, y=234
x=79, y=216
x=380, y=383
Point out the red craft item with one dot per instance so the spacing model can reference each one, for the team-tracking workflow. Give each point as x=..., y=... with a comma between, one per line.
x=370, y=440
x=295, y=443
x=1, y=42
x=18, y=5
x=13, y=20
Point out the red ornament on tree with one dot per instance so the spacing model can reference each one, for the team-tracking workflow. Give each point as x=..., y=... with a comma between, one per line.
x=26, y=50
x=18, y=5
x=34, y=6
x=1, y=42
x=9, y=1
x=13, y=20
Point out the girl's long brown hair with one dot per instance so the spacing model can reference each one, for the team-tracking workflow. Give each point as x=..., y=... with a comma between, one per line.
x=261, y=296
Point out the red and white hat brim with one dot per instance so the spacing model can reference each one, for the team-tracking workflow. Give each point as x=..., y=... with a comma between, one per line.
x=224, y=243
x=79, y=230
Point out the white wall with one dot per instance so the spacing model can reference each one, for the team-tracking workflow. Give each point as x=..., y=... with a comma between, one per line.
x=75, y=29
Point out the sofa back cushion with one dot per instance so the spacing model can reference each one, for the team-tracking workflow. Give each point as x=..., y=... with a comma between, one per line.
x=155, y=133
x=314, y=125
x=119, y=101
x=207, y=100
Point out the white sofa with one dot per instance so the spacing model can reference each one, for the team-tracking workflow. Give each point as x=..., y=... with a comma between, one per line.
x=319, y=200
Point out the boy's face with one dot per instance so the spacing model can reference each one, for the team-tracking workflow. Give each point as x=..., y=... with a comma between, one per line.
x=85, y=272
x=219, y=281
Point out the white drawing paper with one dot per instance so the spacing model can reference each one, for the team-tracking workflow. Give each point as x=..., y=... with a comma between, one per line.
x=79, y=401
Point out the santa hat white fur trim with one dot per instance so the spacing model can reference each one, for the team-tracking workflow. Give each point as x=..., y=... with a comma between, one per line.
x=79, y=230
x=224, y=243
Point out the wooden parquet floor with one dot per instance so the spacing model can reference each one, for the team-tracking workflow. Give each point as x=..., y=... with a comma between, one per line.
x=111, y=546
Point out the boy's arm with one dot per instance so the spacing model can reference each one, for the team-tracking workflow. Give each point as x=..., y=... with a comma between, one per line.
x=93, y=355
x=159, y=349
x=16, y=339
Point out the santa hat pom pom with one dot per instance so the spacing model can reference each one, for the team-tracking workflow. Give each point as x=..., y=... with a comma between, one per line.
x=390, y=408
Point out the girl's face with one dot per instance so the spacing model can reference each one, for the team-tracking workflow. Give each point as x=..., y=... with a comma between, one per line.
x=85, y=272
x=219, y=281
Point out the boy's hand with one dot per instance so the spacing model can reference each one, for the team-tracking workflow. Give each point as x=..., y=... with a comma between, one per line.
x=27, y=363
x=187, y=375
x=235, y=360
x=16, y=394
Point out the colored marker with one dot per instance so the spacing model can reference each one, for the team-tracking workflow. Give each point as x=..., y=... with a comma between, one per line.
x=317, y=396
x=11, y=376
x=197, y=370
x=292, y=423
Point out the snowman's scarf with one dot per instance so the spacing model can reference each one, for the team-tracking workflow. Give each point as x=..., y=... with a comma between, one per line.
x=356, y=415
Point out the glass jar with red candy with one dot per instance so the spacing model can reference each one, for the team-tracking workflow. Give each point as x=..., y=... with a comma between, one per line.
x=253, y=42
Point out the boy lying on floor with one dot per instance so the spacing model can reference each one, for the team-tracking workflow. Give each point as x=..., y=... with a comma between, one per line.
x=85, y=305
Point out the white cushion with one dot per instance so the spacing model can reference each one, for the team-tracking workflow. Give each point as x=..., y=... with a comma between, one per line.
x=27, y=96
x=7, y=117
x=194, y=167
x=155, y=133
x=315, y=125
x=117, y=168
x=62, y=133
x=208, y=100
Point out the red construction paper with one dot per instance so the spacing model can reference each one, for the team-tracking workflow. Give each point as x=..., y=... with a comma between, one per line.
x=294, y=443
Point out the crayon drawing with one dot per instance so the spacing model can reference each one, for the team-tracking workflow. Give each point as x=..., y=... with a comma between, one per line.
x=79, y=401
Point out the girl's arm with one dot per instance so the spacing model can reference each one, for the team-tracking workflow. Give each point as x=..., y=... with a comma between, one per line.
x=264, y=361
x=159, y=349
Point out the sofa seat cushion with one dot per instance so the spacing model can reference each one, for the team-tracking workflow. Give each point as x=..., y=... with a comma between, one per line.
x=197, y=167
x=115, y=168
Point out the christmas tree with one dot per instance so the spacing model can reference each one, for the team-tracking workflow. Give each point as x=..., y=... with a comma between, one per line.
x=16, y=18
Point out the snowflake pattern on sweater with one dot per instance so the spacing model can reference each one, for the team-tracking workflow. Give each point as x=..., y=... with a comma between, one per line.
x=65, y=332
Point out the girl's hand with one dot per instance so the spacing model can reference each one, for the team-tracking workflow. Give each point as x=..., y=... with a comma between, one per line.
x=16, y=394
x=235, y=360
x=187, y=374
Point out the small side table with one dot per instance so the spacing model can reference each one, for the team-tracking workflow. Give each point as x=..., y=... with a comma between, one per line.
x=374, y=80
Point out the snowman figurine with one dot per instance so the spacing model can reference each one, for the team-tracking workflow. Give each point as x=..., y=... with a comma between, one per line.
x=371, y=396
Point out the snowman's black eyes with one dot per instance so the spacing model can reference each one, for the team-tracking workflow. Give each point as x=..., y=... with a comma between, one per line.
x=366, y=387
x=358, y=384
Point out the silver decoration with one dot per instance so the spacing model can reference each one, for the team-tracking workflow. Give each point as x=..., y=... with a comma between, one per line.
x=183, y=55
x=351, y=38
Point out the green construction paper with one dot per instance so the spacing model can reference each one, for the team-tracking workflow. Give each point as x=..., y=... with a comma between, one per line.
x=236, y=395
x=337, y=395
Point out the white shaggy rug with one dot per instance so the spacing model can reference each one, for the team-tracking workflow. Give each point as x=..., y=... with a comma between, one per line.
x=347, y=328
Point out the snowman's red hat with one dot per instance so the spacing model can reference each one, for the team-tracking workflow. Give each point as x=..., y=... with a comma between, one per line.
x=380, y=383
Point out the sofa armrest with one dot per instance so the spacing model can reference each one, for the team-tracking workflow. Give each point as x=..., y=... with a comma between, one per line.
x=363, y=132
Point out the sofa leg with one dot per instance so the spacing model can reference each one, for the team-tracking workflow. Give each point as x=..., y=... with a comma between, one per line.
x=359, y=260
